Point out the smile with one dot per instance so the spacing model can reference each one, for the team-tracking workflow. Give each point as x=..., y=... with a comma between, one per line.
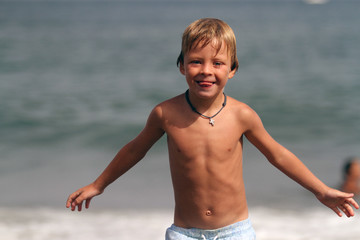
x=205, y=83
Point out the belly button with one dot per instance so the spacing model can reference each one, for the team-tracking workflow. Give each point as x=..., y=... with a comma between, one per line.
x=208, y=213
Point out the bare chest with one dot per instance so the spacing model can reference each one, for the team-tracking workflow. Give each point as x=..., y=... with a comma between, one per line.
x=201, y=139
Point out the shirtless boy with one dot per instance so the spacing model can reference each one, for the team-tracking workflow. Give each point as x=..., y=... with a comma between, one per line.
x=205, y=131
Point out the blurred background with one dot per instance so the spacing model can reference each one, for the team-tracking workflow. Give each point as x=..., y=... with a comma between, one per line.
x=79, y=78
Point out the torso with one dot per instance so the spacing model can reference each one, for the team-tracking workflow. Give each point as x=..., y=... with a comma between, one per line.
x=206, y=165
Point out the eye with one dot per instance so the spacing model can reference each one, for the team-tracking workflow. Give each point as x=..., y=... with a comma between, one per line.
x=195, y=62
x=217, y=64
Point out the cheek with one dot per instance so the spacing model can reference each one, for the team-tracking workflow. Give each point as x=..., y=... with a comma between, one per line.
x=188, y=76
x=190, y=72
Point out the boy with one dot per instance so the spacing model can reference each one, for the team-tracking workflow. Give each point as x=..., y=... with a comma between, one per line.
x=205, y=130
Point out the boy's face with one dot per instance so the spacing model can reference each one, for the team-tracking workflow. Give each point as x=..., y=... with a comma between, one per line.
x=207, y=70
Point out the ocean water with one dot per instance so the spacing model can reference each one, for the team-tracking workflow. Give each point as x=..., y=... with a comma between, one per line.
x=269, y=224
x=78, y=79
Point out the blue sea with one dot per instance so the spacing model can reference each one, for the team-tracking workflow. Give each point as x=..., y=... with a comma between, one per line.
x=79, y=78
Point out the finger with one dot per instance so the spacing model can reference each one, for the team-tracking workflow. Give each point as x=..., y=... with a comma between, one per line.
x=80, y=207
x=68, y=202
x=71, y=199
x=344, y=210
x=77, y=203
x=73, y=206
x=87, y=203
x=349, y=210
x=348, y=195
x=337, y=211
x=353, y=202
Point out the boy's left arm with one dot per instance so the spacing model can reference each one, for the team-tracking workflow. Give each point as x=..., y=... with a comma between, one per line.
x=289, y=164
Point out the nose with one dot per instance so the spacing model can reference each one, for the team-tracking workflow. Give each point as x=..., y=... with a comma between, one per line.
x=206, y=69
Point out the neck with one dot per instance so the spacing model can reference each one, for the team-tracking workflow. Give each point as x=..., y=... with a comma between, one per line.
x=207, y=106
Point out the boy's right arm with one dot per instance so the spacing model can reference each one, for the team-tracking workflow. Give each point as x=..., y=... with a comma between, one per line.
x=126, y=158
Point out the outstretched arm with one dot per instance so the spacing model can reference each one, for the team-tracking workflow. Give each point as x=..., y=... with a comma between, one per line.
x=126, y=158
x=289, y=164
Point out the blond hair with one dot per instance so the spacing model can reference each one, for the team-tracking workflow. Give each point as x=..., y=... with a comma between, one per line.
x=205, y=31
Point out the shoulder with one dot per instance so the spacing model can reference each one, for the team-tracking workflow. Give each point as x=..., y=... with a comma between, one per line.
x=172, y=101
x=240, y=109
x=169, y=107
x=243, y=113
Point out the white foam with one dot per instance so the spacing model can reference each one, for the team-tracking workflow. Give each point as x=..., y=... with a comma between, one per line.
x=269, y=224
x=50, y=224
x=301, y=224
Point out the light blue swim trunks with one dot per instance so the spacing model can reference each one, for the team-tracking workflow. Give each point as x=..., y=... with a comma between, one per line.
x=242, y=230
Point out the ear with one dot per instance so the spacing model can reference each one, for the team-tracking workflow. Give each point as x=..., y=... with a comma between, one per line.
x=182, y=68
x=232, y=74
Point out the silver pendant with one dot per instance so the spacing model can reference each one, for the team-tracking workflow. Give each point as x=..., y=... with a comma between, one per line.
x=211, y=121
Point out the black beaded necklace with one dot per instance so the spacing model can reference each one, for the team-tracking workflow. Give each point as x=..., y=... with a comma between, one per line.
x=211, y=120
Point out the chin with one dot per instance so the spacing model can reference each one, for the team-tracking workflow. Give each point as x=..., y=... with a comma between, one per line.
x=207, y=93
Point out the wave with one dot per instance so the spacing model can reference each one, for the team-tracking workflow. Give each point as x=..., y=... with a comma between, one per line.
x=269, y=224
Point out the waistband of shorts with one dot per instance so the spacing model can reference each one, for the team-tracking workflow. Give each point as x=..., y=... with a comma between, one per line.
x=224, y=231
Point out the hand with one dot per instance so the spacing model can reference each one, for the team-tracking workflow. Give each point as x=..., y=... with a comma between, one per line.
x=83, y=194
x=339, y=202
